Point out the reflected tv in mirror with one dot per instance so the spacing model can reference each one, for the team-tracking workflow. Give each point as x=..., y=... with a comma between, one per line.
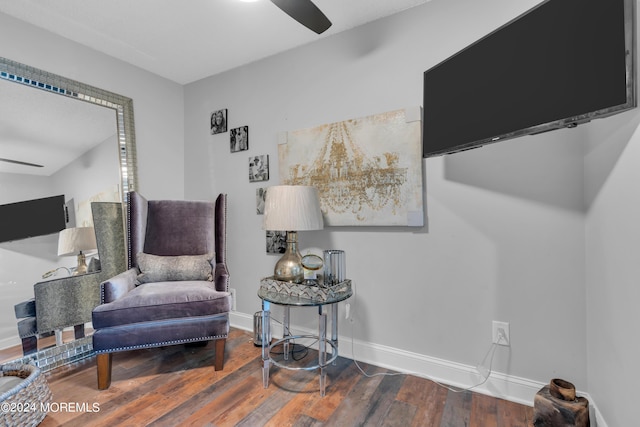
x=31, y=218
x=562, y=63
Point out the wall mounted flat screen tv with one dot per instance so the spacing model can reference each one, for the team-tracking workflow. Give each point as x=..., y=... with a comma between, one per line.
x=562, y=63
x=31, y=218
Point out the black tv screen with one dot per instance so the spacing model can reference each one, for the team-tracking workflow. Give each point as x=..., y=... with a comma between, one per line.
x=562, y=63
x=32, y=218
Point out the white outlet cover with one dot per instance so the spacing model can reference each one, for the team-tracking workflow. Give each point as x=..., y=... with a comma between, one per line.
x=496, y=326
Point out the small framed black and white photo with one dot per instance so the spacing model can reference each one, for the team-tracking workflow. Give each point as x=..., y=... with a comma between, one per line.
x=276, y=242
x=259, y=168
x=239, y=139
x=261, y=197
x=219, y=121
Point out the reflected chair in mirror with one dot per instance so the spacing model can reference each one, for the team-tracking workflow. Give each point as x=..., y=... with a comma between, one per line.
x=69, y=301
x=176, y=290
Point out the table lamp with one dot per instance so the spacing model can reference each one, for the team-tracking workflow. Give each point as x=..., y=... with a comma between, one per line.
x=291, y=208
x=74, y=241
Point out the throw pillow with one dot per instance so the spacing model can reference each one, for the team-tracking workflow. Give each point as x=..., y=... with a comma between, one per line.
x=155, y=268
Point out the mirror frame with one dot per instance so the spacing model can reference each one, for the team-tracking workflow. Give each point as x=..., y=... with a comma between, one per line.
x=28, y=76
x=18, y=73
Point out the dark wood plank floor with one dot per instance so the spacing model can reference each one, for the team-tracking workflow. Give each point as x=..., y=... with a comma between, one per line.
x=177, y=386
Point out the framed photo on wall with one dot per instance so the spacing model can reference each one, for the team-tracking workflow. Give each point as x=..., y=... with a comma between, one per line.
x=259, y=168
x=219, y=121
x=276, y=242
x=239, y=139
x=261, y=197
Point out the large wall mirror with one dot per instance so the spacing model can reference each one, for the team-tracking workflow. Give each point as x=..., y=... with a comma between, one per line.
x=57, y=137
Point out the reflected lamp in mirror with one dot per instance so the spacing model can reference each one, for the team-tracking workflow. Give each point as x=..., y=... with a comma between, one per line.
x=291, y=208
x=77, y=241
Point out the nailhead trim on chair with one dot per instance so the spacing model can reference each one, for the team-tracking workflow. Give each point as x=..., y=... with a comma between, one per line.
x=161, y=344
x=225, y=240
x=128, y=223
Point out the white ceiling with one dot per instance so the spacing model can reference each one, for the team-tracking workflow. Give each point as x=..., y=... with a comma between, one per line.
x=48, y=129
x=181, y=40
x=187, y=40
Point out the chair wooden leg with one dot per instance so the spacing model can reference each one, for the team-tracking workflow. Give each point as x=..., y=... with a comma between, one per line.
x=219, y=356
x=104, y=370
x=29, y=345
x=78, y=331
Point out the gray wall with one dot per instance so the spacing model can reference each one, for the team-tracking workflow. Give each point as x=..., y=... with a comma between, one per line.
x=612, y=236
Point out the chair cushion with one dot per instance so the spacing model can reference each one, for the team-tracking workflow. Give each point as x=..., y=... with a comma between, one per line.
x=179, y=227
x=161, y=301
x=155, y=268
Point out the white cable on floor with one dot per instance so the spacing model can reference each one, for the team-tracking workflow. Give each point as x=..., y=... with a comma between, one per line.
x=492, y=350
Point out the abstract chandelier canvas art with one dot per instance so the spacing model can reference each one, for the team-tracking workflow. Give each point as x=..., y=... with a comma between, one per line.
x=368, y=171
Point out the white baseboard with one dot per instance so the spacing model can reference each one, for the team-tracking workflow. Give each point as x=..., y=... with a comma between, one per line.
x=507, y=387
x=595, y=416
x=10, y=342
x=503, y=386
x=241, y=320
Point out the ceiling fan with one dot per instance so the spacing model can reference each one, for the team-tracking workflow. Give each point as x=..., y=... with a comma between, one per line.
x=306, y=13
x=18, y=162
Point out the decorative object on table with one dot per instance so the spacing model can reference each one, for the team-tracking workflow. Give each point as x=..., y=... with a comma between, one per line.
x=219, y=121
x=311, y=264
x=335, y=266
x=324, y=292
x=257, y=330
x=25, y=389
x=259, y=168
x=239, y=139
x=556, y=405
x=292, y=208
x=54, y=272
x=77, y=240
x=368, y=171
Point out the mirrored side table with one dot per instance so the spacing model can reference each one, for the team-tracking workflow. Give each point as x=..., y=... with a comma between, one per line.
x=290, y=295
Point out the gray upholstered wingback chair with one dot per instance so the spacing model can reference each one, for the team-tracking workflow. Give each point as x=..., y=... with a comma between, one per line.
x=176, y=288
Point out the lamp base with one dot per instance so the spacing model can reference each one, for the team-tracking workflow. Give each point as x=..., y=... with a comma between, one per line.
x=82, y=265
x=289, y=267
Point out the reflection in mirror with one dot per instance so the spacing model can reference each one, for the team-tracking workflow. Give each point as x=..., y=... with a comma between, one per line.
x=53, y=145
x=57, y=136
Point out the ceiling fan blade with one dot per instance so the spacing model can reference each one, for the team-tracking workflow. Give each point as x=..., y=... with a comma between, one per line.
x=306, y=13
x=18, y=162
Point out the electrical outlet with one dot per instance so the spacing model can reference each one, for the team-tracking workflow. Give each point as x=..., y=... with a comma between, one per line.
x=233, y=298
x=500, y=333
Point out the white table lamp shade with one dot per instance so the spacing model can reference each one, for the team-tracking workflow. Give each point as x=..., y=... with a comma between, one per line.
x=292, y=208
x=75, y=240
